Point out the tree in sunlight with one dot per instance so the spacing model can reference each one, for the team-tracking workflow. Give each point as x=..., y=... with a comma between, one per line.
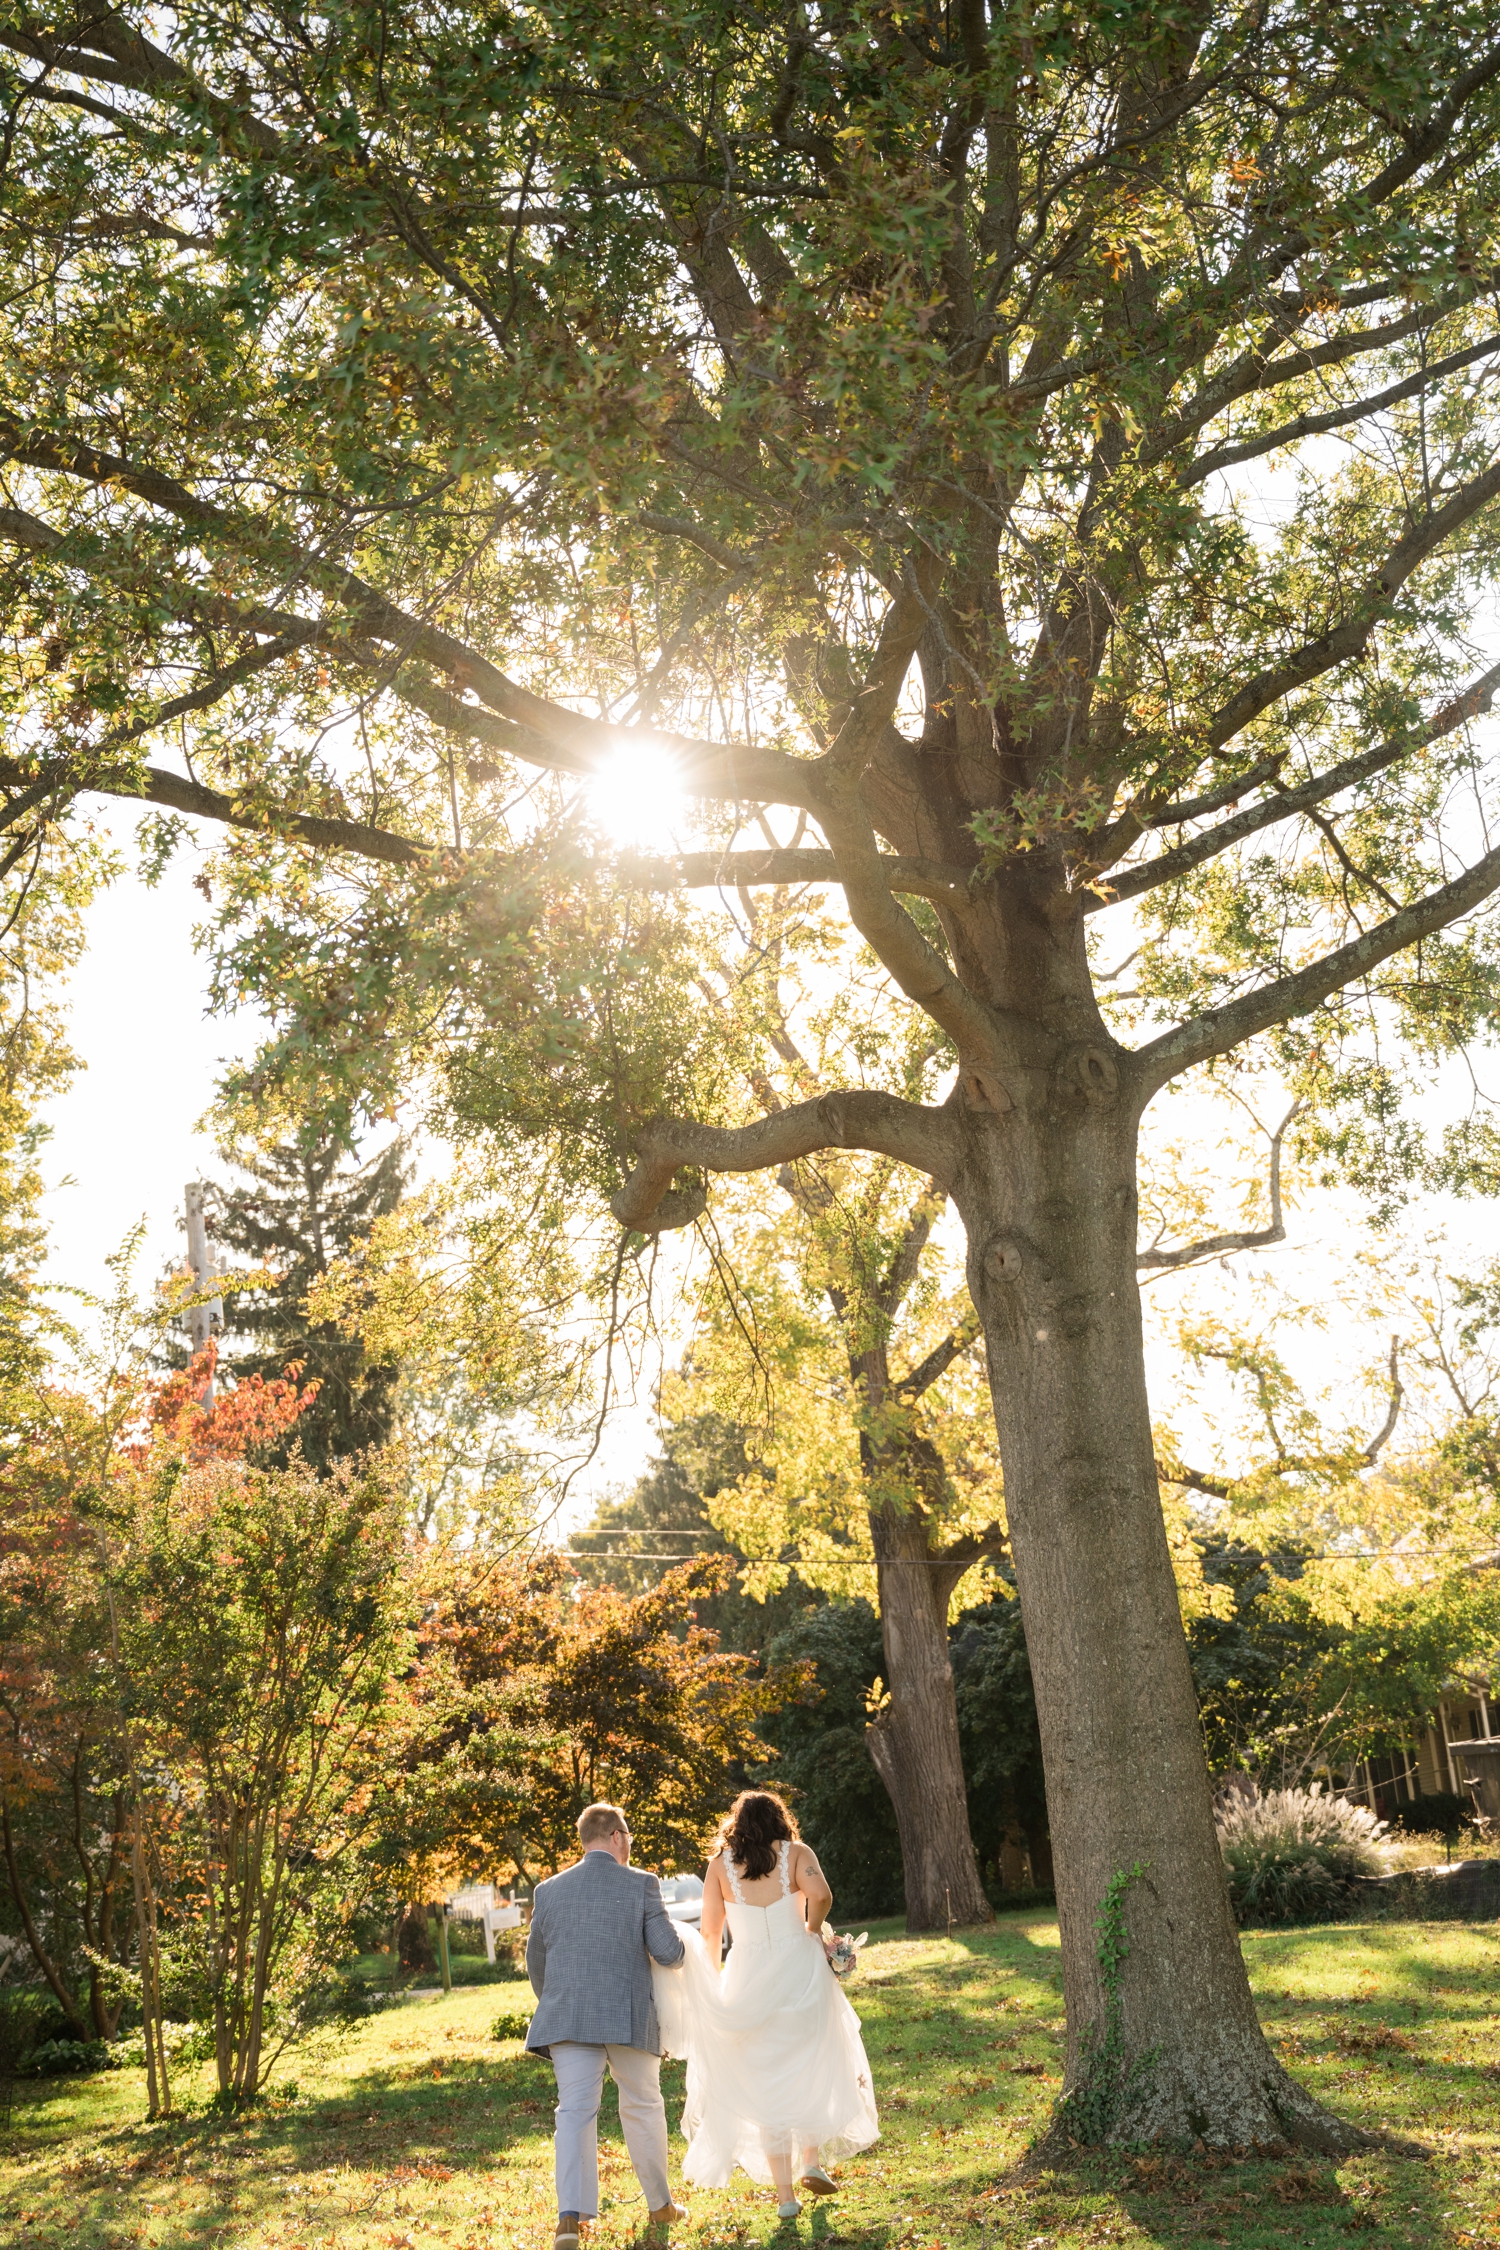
x=862, y=413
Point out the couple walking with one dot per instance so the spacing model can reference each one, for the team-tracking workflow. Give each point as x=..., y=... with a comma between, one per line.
x=777, y=2080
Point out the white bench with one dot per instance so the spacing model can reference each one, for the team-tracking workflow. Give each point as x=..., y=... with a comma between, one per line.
x=478, y=1903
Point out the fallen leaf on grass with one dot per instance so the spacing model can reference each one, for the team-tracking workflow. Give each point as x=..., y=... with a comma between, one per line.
x=1297, y=2186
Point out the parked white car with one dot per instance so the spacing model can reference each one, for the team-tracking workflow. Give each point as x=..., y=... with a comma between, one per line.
x=683, y=1895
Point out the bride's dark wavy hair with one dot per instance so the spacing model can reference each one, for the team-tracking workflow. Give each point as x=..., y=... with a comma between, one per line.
x=754, y=1825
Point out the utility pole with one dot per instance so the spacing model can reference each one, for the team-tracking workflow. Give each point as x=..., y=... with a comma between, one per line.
x=206, y=1317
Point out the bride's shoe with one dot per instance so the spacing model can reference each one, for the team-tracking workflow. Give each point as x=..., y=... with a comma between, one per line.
x=792, y=2210
x=817, y=2182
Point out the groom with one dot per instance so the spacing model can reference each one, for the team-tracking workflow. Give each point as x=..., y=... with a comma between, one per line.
x=595, y=1930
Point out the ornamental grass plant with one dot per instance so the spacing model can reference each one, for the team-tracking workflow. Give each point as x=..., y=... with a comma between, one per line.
x=1295, y=1855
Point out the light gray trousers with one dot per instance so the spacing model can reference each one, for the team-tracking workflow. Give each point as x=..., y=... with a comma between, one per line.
x=580, y=2083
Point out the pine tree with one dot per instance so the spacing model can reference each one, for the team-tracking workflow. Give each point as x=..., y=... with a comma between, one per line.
x=301, y=1207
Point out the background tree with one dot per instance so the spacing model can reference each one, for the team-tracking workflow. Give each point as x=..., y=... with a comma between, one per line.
x=856, y=405
x=823, y=1758
x=64, y=1784
x=648, y=1710
x=266, y=1613
x=304, y=1206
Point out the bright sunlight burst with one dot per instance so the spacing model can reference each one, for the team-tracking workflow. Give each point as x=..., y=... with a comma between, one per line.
x=636, y=796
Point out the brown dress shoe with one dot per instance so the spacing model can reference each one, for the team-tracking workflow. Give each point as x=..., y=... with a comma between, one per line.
x=566, y=2237
x=667, y=2216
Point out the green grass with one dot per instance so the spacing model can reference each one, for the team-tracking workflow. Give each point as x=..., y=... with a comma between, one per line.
x=466, y=1968
x=420, y=2132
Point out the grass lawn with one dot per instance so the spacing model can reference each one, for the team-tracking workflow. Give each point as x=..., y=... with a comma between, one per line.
x=420, y=2129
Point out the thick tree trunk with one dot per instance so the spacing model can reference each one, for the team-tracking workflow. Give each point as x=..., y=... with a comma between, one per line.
x=1164, y=2040
x=914, y=1743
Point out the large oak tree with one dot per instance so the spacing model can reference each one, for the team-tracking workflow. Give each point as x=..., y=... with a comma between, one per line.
x=1028, y=470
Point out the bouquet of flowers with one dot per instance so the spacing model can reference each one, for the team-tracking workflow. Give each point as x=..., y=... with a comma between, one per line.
x=843, y=1954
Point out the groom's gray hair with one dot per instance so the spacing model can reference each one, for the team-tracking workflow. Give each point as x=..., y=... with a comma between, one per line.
x=597, y=1823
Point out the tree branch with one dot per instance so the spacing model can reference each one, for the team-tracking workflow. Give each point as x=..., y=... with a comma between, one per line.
x=1219, y=1029
x=913, y=961
x=694, y=871
x=1286, y=803
x=1194, y=1480
x=1337, y=418
x=710, y=769
x=1248, y=1238
x=938, y=1361
x=152, y=785
x=902, y=1271
x=960, y=1555
x=1212, y=800
x=1252, y=373
x=1349, y=638
x=882, y=1123
x=1387, y=1428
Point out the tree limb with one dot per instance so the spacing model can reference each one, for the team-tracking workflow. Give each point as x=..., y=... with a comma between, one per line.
x=1248, y=1238
x=1387, y=1428
x=1168, y=866
x=913, y=961
x=1194, y=1480
x=902, y=1271
x=1337, y=418
x=735, y=771
x=882, y=1123
x=1349, y=638
x=1251, y=373
x=938, y=1361
x=1212, y=800
x=950, y=1563
x=152, y=785
x=703, y=871
x=1219, y=1029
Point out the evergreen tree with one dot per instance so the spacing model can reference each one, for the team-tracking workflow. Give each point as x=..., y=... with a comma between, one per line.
x=823, y=1762
x=302, y=1206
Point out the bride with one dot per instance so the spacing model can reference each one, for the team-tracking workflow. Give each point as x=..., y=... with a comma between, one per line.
x=777, y=2078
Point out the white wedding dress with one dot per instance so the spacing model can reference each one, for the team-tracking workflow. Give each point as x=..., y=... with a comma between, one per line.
x=776, y=2065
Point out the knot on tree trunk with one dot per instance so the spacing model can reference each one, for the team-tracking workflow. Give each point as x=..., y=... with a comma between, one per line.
x=1089, y=1074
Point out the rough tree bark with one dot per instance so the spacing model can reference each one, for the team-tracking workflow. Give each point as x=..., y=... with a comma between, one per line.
x=1048, y=1198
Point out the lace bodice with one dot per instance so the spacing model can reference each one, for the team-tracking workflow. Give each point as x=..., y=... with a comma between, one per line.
x=783, y=1865
x=780, y=1922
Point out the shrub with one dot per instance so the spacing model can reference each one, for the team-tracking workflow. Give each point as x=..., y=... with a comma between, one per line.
x=29, y=2018
x=62, y=2058
x=1295, y=1855
x=1439, y=1812
x=513, y=2023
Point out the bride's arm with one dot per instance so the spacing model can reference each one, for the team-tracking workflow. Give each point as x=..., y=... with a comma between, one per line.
x=809, y=1879
x=712, y=1921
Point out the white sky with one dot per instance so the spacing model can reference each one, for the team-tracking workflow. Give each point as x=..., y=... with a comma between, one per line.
x=125, y=1137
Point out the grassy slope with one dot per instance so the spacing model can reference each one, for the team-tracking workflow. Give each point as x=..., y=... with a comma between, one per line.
x=421, y=2130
